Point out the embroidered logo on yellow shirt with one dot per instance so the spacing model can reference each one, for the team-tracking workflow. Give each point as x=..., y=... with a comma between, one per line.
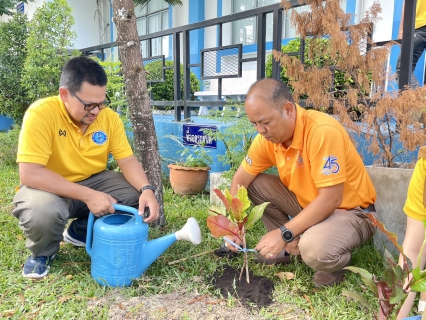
x=99, y=137
x=62, y=132
x=331, y=165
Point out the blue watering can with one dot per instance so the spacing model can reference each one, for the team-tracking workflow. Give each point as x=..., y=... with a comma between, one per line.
x=121, y=252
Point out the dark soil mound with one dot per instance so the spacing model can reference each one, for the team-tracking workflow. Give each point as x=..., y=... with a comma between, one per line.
x=258, y=291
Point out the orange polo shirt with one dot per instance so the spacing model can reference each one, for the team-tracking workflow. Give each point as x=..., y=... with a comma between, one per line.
x=321, y=155
x=49, y=137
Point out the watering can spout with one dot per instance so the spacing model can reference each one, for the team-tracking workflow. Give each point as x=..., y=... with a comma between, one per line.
x=154, y=248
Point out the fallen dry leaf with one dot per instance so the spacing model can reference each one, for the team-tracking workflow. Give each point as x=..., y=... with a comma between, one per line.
x=285, y=275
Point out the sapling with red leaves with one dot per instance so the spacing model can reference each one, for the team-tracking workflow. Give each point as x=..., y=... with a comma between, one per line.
x=392, y=288
x=235, y=219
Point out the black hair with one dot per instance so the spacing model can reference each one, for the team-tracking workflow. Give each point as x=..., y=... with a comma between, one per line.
x=82, y=69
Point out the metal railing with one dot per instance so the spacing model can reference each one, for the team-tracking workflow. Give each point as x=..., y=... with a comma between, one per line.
x=181, y=40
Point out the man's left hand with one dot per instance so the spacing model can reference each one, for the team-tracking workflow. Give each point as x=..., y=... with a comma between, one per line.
x=148, y=200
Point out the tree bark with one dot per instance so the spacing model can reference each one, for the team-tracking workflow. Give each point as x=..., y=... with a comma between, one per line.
x=145, y=139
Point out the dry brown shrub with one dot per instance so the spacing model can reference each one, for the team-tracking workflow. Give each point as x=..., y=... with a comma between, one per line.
x=350, y=50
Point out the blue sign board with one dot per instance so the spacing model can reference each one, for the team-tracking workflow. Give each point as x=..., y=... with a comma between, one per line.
x=194, y=135
x=20, y=7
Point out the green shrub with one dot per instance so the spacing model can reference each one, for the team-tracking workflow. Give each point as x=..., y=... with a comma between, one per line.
x=50, y=37
x=13, y=51
x=164, y=91
x=9, y=146
x=115, y=86
x=237, y=137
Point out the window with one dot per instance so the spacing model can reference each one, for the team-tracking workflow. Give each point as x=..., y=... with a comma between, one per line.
x=245, y=31
x=152, y=18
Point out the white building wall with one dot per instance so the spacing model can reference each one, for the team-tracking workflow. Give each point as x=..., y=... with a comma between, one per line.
x=92, y=22
x=383, y=28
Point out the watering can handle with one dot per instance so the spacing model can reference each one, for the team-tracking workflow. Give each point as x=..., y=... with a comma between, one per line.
x=91, y=220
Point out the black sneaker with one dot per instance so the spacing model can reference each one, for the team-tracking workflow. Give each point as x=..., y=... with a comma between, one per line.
x=38, y=267
x=73, y=238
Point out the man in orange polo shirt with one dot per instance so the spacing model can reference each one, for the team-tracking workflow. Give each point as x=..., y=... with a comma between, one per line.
x=322, y=184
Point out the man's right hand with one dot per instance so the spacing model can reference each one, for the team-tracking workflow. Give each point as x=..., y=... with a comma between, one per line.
x=100, y=203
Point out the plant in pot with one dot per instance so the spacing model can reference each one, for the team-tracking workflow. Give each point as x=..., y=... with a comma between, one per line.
x=189, y=174
x=234, y=219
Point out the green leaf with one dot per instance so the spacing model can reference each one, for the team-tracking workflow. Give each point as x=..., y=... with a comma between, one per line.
x=418, y=283
x=366, y=277
x=356, y=296
x=255, y=214
x=243, y=196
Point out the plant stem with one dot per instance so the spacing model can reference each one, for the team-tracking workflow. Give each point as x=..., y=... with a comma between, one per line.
x=245, y=257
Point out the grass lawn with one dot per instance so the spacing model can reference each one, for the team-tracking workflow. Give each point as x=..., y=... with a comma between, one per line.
x=67, y=290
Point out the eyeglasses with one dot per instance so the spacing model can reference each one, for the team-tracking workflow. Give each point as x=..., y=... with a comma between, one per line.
x=91, y=106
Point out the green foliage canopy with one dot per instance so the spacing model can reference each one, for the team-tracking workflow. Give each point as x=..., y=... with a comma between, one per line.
x=49, y=41
x=164, y=91
x=7, y=5
x=13, y=51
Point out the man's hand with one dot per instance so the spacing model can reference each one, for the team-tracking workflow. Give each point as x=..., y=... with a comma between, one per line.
x=271, y=244
x=100, y=203
x=234, y=239
x=148, y=200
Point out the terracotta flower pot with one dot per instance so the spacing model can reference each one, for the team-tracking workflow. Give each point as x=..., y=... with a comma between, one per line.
x=188, y=180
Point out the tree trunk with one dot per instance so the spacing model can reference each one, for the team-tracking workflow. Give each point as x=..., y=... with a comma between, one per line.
x=145, y=139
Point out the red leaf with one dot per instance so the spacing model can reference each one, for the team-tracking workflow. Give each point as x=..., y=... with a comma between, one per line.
x=221, y=226
x=222, y=197
x=237, y=209
x=384, y=293
x=392, y=236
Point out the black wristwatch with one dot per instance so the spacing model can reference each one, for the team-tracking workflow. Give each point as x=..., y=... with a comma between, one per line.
x=148, y=187
x=287, y=234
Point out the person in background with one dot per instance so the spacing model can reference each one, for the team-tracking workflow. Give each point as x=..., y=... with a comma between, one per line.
x=415, y=209
x=322, y=184
x=64, y=145
x=419, y=44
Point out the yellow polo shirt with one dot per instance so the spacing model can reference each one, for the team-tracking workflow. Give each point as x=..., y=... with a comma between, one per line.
x=50, y=138
x=420, y=14
x=415, y=204
x=321, y=155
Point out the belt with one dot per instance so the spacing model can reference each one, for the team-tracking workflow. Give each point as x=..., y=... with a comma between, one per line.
x=370, y=208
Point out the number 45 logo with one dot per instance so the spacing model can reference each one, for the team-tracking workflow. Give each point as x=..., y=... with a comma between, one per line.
x=331, y=165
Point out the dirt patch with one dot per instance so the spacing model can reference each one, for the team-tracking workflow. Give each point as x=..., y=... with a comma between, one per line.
x=174, y=306
x=258, y=291
x=183, y=304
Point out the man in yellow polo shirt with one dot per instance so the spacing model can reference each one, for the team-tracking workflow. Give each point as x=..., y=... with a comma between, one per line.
x=322, y=184
x=415, y=209
x=63, y=151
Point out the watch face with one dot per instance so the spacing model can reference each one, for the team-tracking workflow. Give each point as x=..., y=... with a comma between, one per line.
x=288, y=235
